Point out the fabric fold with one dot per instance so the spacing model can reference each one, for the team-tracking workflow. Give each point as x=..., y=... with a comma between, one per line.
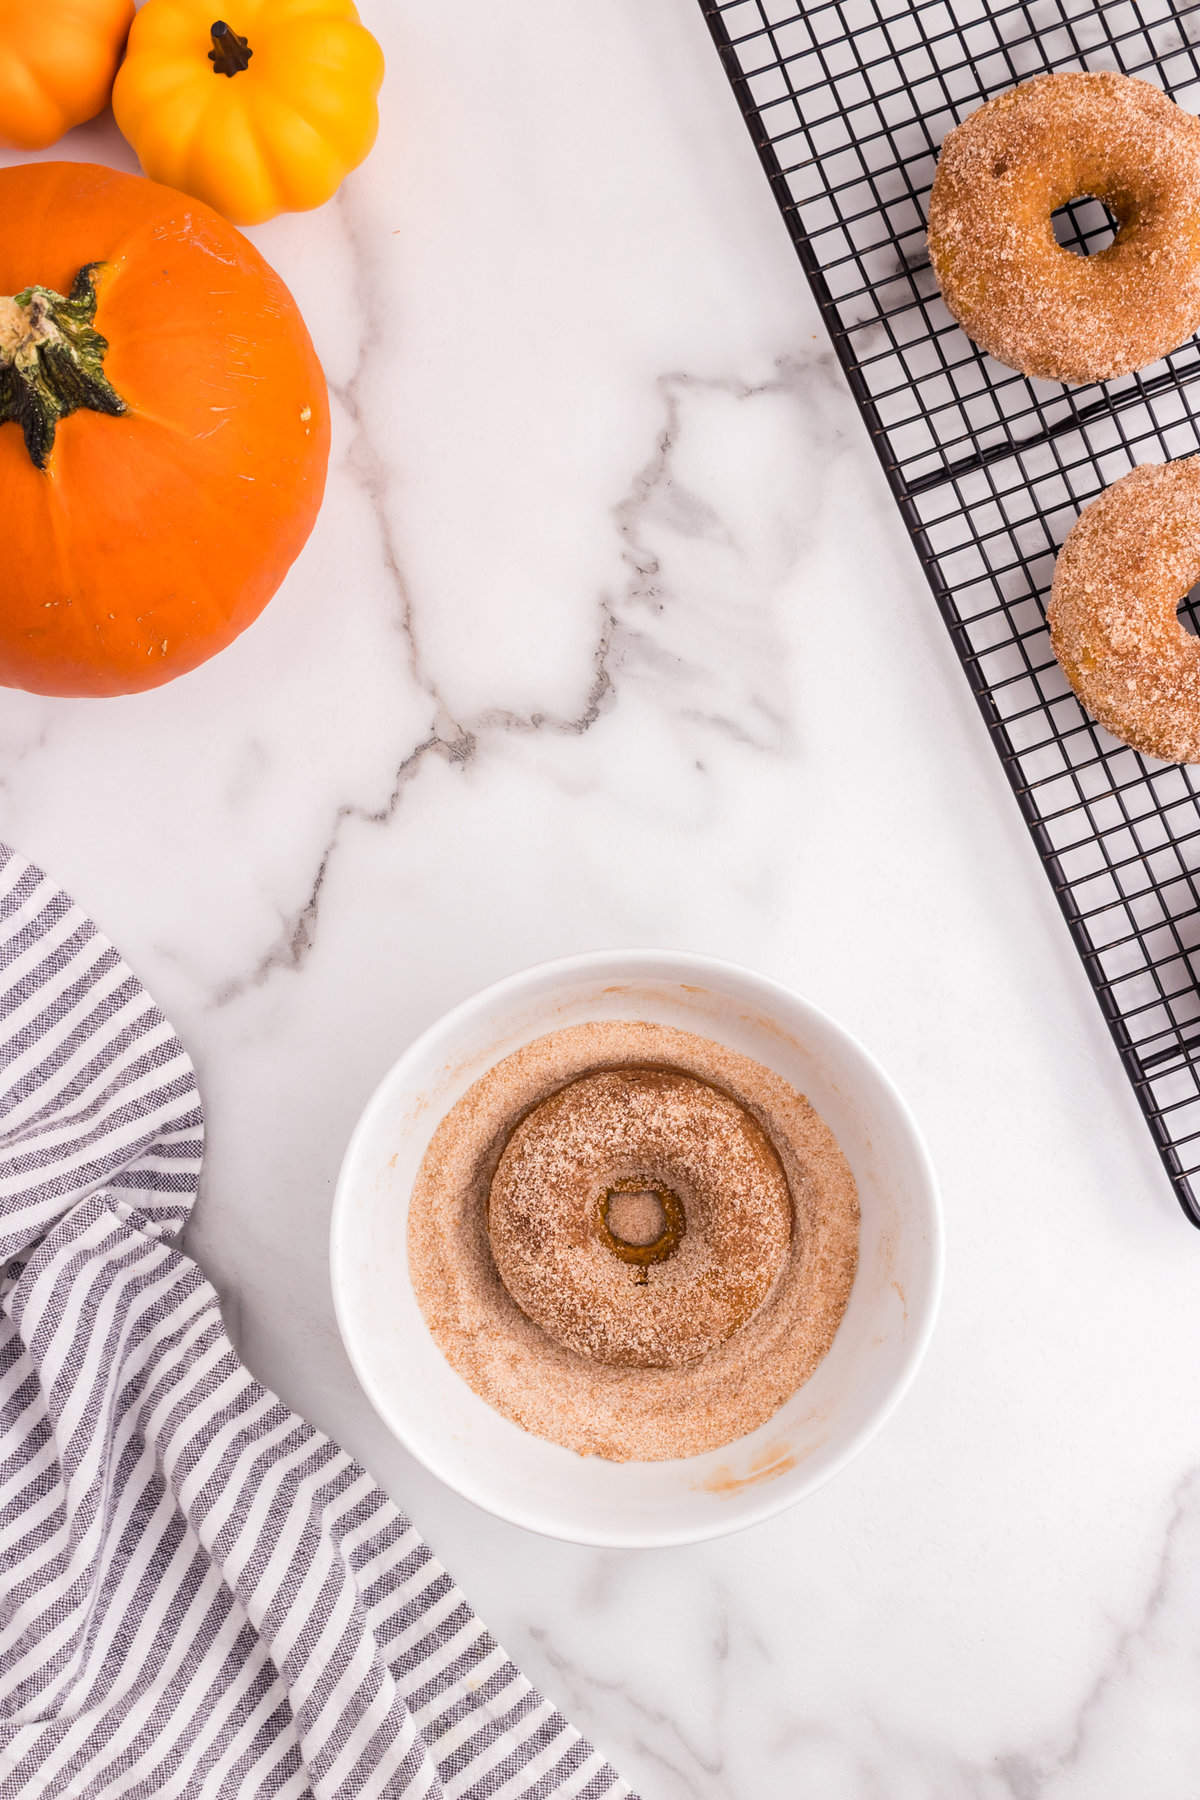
x=202, y=1595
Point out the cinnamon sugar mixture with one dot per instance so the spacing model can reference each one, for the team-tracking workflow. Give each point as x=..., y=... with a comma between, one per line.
x=1011, y=164
x=770, y=1288
x=1131, y=554
x=712, y=1169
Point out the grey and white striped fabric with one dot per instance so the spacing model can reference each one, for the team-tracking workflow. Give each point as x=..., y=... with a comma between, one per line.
x=199, y=1594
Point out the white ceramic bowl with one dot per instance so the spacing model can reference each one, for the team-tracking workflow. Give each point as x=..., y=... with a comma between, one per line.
x=540, y=1485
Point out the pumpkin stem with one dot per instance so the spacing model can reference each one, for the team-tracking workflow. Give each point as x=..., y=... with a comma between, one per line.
x=51, y=361
x=230, y=53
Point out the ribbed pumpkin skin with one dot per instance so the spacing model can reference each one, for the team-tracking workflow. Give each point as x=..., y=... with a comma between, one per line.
x=278, y=135
x=57, y=63
x=152, y=539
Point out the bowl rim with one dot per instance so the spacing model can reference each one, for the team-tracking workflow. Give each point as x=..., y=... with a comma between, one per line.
x=761, y=1504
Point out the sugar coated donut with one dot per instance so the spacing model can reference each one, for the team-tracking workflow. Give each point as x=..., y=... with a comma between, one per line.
x=1128, y=561
x=639, y=1217
x=1011, y=286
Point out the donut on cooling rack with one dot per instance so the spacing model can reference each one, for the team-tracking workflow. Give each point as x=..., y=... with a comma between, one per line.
x=639, y=1217
x=1128, y=561
x=1011, y=286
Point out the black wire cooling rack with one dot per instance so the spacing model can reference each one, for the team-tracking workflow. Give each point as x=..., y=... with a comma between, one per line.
x=847, y=102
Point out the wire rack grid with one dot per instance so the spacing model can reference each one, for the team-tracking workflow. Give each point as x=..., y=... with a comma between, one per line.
x=847, y=102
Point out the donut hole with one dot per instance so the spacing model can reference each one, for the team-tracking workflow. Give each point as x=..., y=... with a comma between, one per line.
x=1188, y=611
x=637, y=1217
x=1084, y=226
x=641, y=1221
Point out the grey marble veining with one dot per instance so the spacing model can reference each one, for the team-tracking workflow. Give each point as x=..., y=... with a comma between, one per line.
x=608, y=635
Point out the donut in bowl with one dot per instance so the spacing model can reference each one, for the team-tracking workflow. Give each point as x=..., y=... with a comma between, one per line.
x=639, y=1217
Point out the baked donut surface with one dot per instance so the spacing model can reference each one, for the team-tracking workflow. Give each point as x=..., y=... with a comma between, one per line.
x=1130, y=558
x=679, y=1167
x=1007, y=168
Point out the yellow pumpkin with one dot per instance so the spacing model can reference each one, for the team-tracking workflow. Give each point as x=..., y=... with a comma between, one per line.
x=259, y=114
x=57, y=62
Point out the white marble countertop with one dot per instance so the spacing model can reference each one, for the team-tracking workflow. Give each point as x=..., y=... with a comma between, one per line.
x=608, y=635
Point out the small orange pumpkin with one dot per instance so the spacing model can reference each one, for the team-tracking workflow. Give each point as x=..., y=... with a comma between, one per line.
x=164, y=431
x=261, y=115
x=57, y=63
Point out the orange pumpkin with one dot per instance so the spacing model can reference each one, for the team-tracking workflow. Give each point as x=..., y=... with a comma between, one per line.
x=164, y=431
x=57, y=63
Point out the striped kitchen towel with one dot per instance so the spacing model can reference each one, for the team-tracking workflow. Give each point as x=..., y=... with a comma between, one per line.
x=199, y=1594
